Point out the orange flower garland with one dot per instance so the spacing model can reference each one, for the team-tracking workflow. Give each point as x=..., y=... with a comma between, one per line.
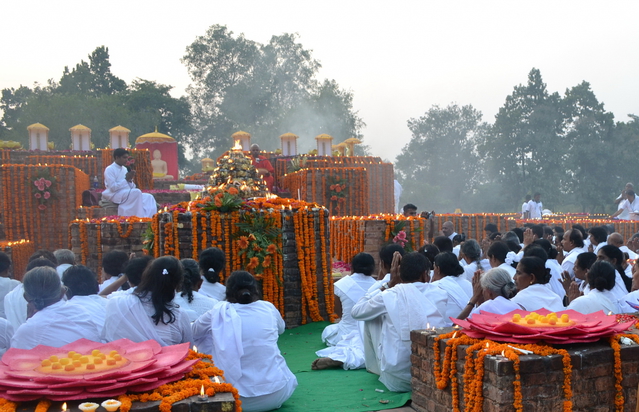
x=616, y=347
x=194, y=235
x=7, y=406
x=43, y=405
x=474, y=368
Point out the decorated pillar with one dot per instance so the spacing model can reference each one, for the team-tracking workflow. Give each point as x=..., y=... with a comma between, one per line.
x=340, y=148
x=38, y=137
x=242, y=140
x=207, y=164
x=324, y=145
x=80, y=138
x=289, y=144
x=119, y=137
x=350, y=145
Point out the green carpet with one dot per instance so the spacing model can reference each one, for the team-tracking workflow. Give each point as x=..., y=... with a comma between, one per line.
x=330, y=389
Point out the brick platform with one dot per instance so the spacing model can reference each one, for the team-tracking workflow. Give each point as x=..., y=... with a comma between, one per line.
x=542, y=377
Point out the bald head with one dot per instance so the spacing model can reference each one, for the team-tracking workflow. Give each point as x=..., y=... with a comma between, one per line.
x=255, y=150
x=615, y=239
x=448, y=228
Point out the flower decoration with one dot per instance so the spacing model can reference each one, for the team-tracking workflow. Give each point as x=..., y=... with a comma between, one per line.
x=403, y=235
x=224, y=200
x=337, y=193
x=257, y=241
x=43, y=188
x=86, y=369
x=579, y=329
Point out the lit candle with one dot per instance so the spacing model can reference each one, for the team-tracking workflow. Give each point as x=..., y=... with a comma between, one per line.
x=203, y=395
x=194, y=348
x=64, y=407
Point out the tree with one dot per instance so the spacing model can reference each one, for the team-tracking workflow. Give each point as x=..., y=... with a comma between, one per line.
x=439, y=167
x=93, y=78
x=266, y=90
x=524, y=151
x=592, y=159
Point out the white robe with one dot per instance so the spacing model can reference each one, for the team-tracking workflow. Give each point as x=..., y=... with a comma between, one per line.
x=130, y=201
x=15, y=307
x=6, y=333
x=197, y=307
x=344, y=338
x=555, y=278
x=372, y=332
x=508, y=268
x=56, y=325
x=535, y=209
x=459, y=293
x=95, y=305
x=631, y=254
x=402, y=308
x=242, y=338
x=569, y=260
x=215, y=290
x=618, y=291
x=128, y=317
x=500, y=306
x=6, y=286
x=631, y=207
x=537, y=296
x=599, y=246
x=470, y=269
x=594, y=302
x=61, y=268
x=632, y=297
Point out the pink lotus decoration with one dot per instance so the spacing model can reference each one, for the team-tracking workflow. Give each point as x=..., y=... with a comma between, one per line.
x=586, y=328
x=137, y=367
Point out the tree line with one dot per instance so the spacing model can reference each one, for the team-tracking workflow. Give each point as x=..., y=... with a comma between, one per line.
x=568, y=148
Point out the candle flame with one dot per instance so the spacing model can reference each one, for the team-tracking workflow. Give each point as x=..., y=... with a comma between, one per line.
x=194, y=348
x=216, y=380
x=64, y=407
x=428, y=325
x=503, y=353
x=237, y=146
x=201, y=390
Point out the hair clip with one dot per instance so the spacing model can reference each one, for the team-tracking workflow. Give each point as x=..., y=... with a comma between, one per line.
x=165, y=272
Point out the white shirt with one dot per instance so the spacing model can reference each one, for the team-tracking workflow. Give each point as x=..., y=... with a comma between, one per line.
x=197, y=307
x=624, y=303
x=631, y=207
x=6, y=333
x=524, y=209
x=599, y=246
x=470, y=269
x=242, y=338
x=508, y=268
x=631, y=254
x=535, y=209
x=215, y=290
x=95, y=305
x=129, y=317
x=61, y=268
x=595, y=301
x=115, y=181
x=6, y=286
x=107, y=282
x=569, y=260
x=500, y=306
x=15, y=307
x=56, y=325
x=537, y=296
x=459, y=292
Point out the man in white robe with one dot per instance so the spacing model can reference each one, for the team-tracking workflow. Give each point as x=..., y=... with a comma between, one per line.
x=624, y=215
x=616, y=239
x=535, y=207
x=525, y=209
x=121, y=190
x=6, y=284
x=630, y=204
x=573, y=245
x=402, y=307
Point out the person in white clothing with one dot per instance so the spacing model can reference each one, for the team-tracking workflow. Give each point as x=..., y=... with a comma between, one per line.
x=500, y=255
x=372, y=329
x=397, y=192
x=470, y=254
x=113, y=264
x=82, y=291
x=630, y=204
x=51, y=321
x=575, y=288
x=6, y=284
x=530, y=279
x=616, y=239
x=188, y=298
x=597, y=236
x=121, y=190
x=212, y=262
x=525, y=208
x=572, y=244
x=65, y=259
x=448, y=229
x=149, y=312
x=615, y=257
x=492, y=292
x=346, y=348
x=447, y=276
x=601, y=279
x=402, y=307
x=6, y=334
x=132, y=276
x=619, y=201
x=241, y=334
x=535, y=206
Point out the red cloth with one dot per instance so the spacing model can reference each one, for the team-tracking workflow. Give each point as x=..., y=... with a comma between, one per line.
x=263, y=163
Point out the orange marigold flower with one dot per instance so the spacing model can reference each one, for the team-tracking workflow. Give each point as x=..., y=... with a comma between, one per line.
x=218, y=202
x=251, y=236
x=242, y=242
x=271, y=248
x=233, y=191
x=267, y=261
x=253, y=263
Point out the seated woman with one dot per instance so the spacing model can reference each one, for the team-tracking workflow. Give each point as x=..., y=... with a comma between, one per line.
x=614, y=256
x=601, y=279
x=447, y=277
x=531, y=278
x=500, y=255
x=212, y=262
x=574, y=289
x=492, y=291
x=189, y=299
x=470, y=255
x=630, y=302
x=346, y=348
x=241, y=334
x=82, y=290
x=50, y=320
x=149, y=312
x=552, y=264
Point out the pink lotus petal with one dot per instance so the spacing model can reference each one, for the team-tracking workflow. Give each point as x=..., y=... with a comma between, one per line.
x=21, y=398
x=171, y=355
x=118, y=373
x=88, y=395
x=25, y=384
x=83, y=383
x=46, y=392
x=140, y=355
x=150, y=386
x=24, y=364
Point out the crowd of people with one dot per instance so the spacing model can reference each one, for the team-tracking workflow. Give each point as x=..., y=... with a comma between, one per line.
x=168, y=300
x=528, y=268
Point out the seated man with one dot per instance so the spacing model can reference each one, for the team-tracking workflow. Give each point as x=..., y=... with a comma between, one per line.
x=82, y=290
x=121, y=190
x=263, y=166
x=402, y=306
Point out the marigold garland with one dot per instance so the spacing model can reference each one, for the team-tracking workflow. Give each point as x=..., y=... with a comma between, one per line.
x=43, y=405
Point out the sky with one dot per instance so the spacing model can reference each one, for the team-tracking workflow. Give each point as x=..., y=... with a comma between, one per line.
x=398, y=58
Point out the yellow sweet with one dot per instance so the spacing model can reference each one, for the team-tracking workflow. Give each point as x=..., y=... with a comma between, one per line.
x=69, y=368
x=65, y=361
x=56, y=366
x=110, y=361
x=117, y=357
x=531, y=321
x=71, y=353
x=77, y=363
x=98, y=361
x=84, y=359
x=53, y=358
x=90, y=366
x=516, y=317
x=45, y=362
x=564, y=318
x=95, y=352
